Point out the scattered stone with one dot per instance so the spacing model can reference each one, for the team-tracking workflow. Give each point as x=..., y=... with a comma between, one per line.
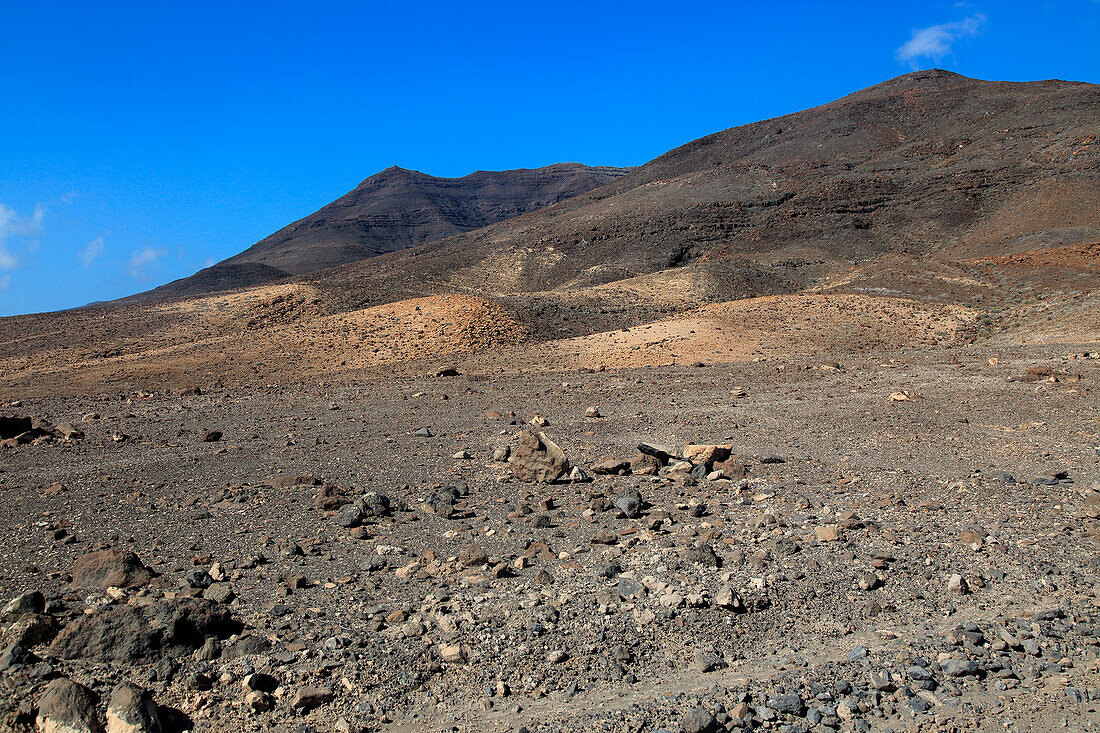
x=699, y=720
x=538, y=459
x=957, y=584
x=473, y=556
x=308, y=698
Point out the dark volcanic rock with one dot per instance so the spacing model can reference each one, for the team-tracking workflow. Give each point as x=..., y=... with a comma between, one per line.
x=131, y=635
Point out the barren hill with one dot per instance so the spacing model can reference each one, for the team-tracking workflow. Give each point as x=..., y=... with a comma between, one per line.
x=928, y=165
x=963, y=209
x=390, y=211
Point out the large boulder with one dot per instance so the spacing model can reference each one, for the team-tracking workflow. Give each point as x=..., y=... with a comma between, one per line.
x=67, y=707
x=537, y=458
x=131, y=635
x=107, y=568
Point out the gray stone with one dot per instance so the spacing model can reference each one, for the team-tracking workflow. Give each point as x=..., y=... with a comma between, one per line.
x=699, y=720
x=960, y=667
x=349, y=515
x=30, y=602
x=788, y=703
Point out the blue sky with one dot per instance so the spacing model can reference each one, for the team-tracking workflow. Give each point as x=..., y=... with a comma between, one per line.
x=141, y=141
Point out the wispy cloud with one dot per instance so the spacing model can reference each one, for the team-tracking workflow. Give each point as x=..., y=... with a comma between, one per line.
x=93, y=250
x=934, y=42
x=5, y=282
x=144, y=263
x=11, y=225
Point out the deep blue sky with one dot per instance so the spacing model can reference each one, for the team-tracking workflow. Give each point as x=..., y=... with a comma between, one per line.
x=142, y=141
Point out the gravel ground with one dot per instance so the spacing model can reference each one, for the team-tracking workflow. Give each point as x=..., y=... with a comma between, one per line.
x=900, y=541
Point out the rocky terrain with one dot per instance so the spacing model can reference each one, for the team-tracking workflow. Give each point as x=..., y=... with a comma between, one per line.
x=794, y=428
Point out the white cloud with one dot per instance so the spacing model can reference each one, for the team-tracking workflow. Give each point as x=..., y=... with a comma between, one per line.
x=5, y=282
x=934, y=42
x=11, y=225
x=93, y=250
x=145, y=262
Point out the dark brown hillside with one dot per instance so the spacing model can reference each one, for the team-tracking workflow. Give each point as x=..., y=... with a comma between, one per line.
x=931, y=163
x=392, y=210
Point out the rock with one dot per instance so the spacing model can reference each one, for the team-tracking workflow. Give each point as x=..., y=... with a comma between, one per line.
x=349, y=516
x=868, y=581
x=703, y=555
x=422, y=433
x=132, y=710
x=578, y=476
x=827, y=533
x=132, y=635
x=699, y=720
x=707, y=661
x=960, y=667
x=211, y=436
x=473, y=556
x=259, y=702
x=441, y=503
x=447, y=371
x=219, y=593
x=31, y=629
x=957, y=584
x=973, y=540
x=308, y=698
x=662, y=453
x=502, y=453
x=592, y=413
x=14, y=655
x=611, y=467
x=452, y=653
x=373, y=504
x=30, y=602
x=787, y=703
x=258, y=681
x=557, y=656
x=707, y=454
x=629, y=503
x=67, y=707
x=110, y=568
x=537, y=458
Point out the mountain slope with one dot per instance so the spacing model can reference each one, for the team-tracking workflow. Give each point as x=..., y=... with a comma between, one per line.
x=390, y=211
x=967, y=209
x=930, y=164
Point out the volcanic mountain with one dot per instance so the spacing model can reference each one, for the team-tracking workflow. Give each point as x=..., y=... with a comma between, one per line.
x=928, y=209
x=931, y=169
x=390, y=211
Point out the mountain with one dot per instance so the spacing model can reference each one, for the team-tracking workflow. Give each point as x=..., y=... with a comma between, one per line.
x=390, y=211
x=928, y=209
x=930, y=167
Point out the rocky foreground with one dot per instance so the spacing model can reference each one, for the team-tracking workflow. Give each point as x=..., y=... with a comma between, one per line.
x=902, y=541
